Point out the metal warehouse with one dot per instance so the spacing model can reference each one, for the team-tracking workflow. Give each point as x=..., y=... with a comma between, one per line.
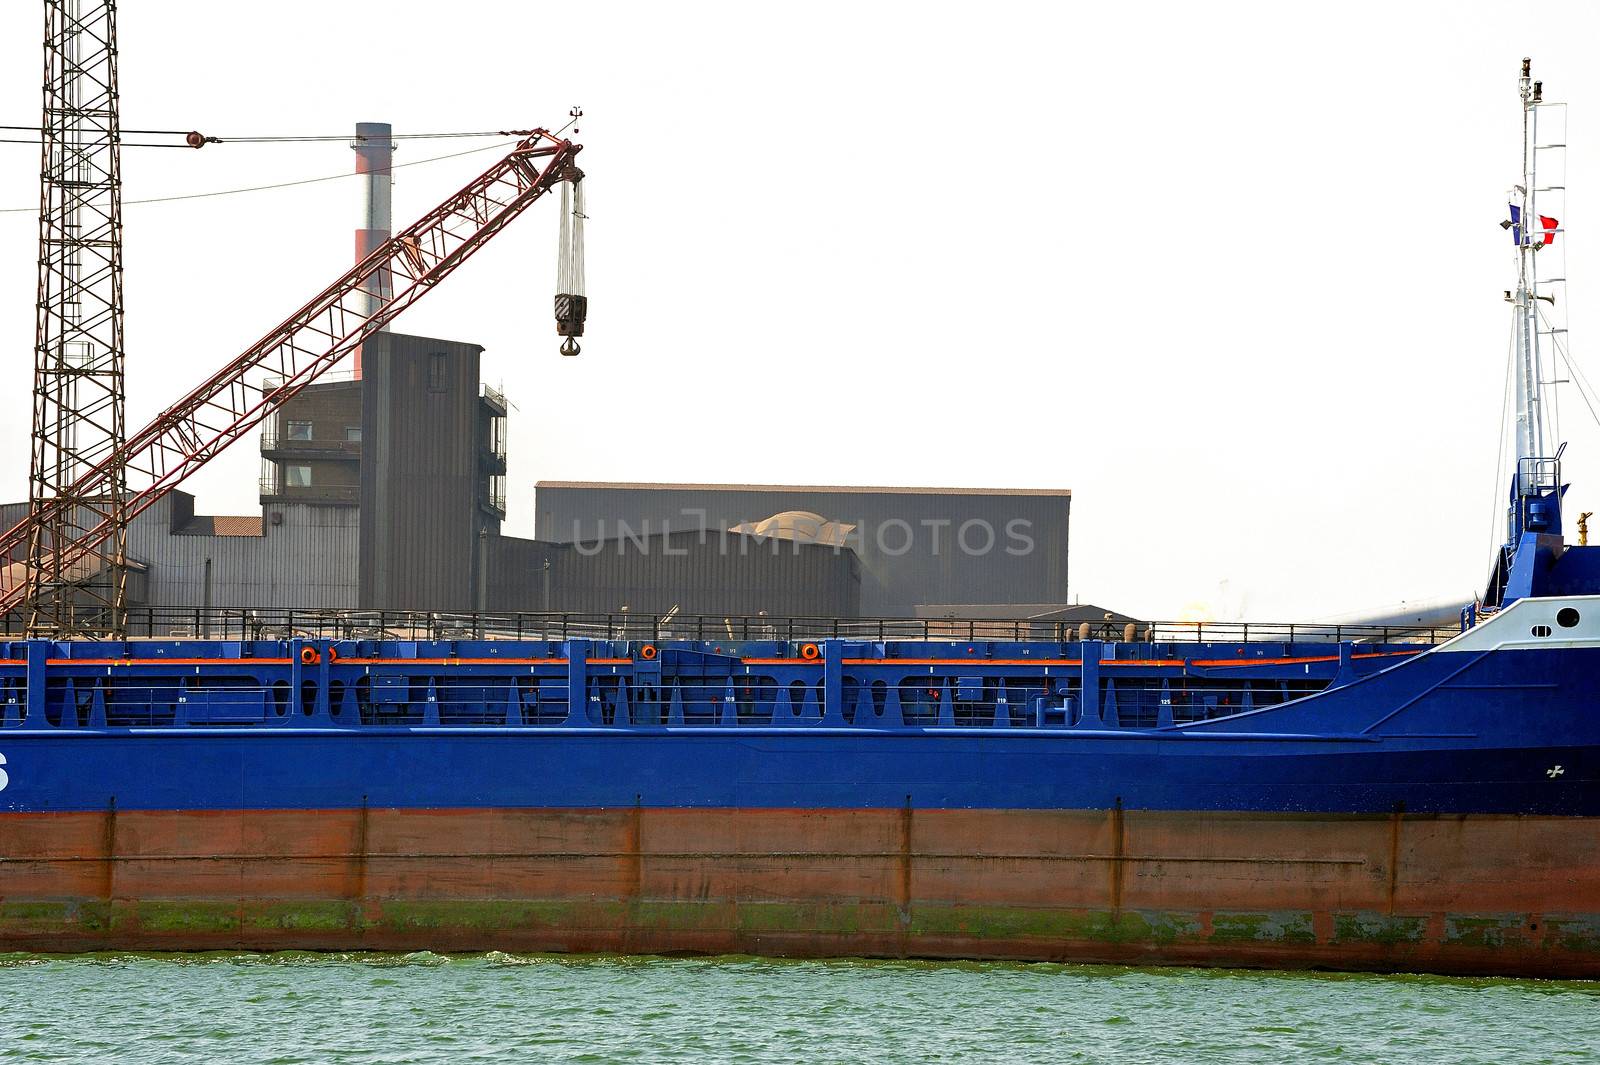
x=917, y=546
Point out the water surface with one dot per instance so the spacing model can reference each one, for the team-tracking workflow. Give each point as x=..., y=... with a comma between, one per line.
x=282, y=1009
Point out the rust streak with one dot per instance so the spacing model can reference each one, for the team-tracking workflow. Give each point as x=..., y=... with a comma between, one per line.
x=359, y=891
x=108, y=885
x=903, y=888
x=634, y=873
x=1394, y=853
x=1119, y=835
x=905, y=856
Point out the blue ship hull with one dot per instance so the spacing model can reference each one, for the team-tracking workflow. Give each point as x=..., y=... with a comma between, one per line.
x=1021, y=769
x=1349, y=806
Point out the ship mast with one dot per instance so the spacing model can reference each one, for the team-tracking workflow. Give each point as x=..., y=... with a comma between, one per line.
x=1525, y=565
x=1535, y=505
x=1531, y=442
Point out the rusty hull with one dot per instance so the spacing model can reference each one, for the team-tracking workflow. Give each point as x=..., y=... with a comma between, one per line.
x=1357, y=892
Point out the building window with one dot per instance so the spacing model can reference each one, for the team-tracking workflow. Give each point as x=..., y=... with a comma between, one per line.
x=352, y=433
x=438, y=372
x=497, y=437
x=299, y=430
x=297, y=476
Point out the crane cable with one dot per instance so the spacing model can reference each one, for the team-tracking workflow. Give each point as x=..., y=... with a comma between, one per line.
x=347, y=137
x=192, y=139
x=326, y=177
x=280, y=184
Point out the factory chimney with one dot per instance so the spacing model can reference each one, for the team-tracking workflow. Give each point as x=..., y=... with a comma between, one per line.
x=374, y=145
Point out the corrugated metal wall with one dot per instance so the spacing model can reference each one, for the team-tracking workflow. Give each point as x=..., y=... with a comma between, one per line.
x=419, y=474
x=736, y=575
x=309, y=560
x=916, y=546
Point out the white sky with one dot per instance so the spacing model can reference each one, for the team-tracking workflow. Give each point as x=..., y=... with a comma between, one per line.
x=1230, y=272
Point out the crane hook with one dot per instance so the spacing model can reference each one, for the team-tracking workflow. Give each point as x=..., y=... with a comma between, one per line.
x=570, y=346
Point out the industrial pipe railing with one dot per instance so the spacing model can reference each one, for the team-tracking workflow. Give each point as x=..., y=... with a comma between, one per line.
x=276, y=623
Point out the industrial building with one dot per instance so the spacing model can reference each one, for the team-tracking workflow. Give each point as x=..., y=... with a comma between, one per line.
x=383, y=487
x=331, y=456
x=387, y=491
x=675, y=573
x=919, y=548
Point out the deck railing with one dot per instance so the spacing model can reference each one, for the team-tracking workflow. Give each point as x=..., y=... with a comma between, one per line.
x=153, y=701
x=235, y=624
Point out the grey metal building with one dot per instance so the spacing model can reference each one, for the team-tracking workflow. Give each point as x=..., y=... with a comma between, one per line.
x=433, y=486
x=373, y=493
x=917, y=546
x=684, y=573
x=293, y=555
x=387, y=492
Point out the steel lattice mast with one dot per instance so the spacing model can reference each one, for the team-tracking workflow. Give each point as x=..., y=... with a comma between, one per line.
x=304, y=346
x=78, y=392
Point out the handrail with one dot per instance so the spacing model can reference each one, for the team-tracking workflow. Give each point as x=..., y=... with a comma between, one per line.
x=159, y=622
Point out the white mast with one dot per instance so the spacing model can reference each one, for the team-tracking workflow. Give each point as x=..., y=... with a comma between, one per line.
x=1533, y=519
x=1531, y=441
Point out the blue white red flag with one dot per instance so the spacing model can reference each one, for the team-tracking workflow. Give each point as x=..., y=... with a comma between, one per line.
x=1547, y=224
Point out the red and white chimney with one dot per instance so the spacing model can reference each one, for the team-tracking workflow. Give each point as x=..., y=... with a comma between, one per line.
x=374, y=145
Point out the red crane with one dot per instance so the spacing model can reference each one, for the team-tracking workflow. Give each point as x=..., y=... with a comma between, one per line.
x=309, y=342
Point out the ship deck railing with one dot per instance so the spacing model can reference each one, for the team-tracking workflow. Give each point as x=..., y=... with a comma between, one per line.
x=340, y=624
x=233, y=700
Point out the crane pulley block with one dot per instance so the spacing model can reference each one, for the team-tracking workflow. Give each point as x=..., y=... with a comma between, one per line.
x=572, y=306
x=571, y=309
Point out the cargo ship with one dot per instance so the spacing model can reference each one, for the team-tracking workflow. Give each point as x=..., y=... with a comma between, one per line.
x=1340, y=798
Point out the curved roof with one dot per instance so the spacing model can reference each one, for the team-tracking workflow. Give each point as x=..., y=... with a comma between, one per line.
x=801, y=526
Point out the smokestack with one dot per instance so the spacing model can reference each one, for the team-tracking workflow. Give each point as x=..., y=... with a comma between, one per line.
x=374, y=145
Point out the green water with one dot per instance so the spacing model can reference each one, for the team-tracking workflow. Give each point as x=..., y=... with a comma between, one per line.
x=285, y=1009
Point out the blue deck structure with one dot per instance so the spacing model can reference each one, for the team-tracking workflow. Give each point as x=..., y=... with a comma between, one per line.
x=1259, y=726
